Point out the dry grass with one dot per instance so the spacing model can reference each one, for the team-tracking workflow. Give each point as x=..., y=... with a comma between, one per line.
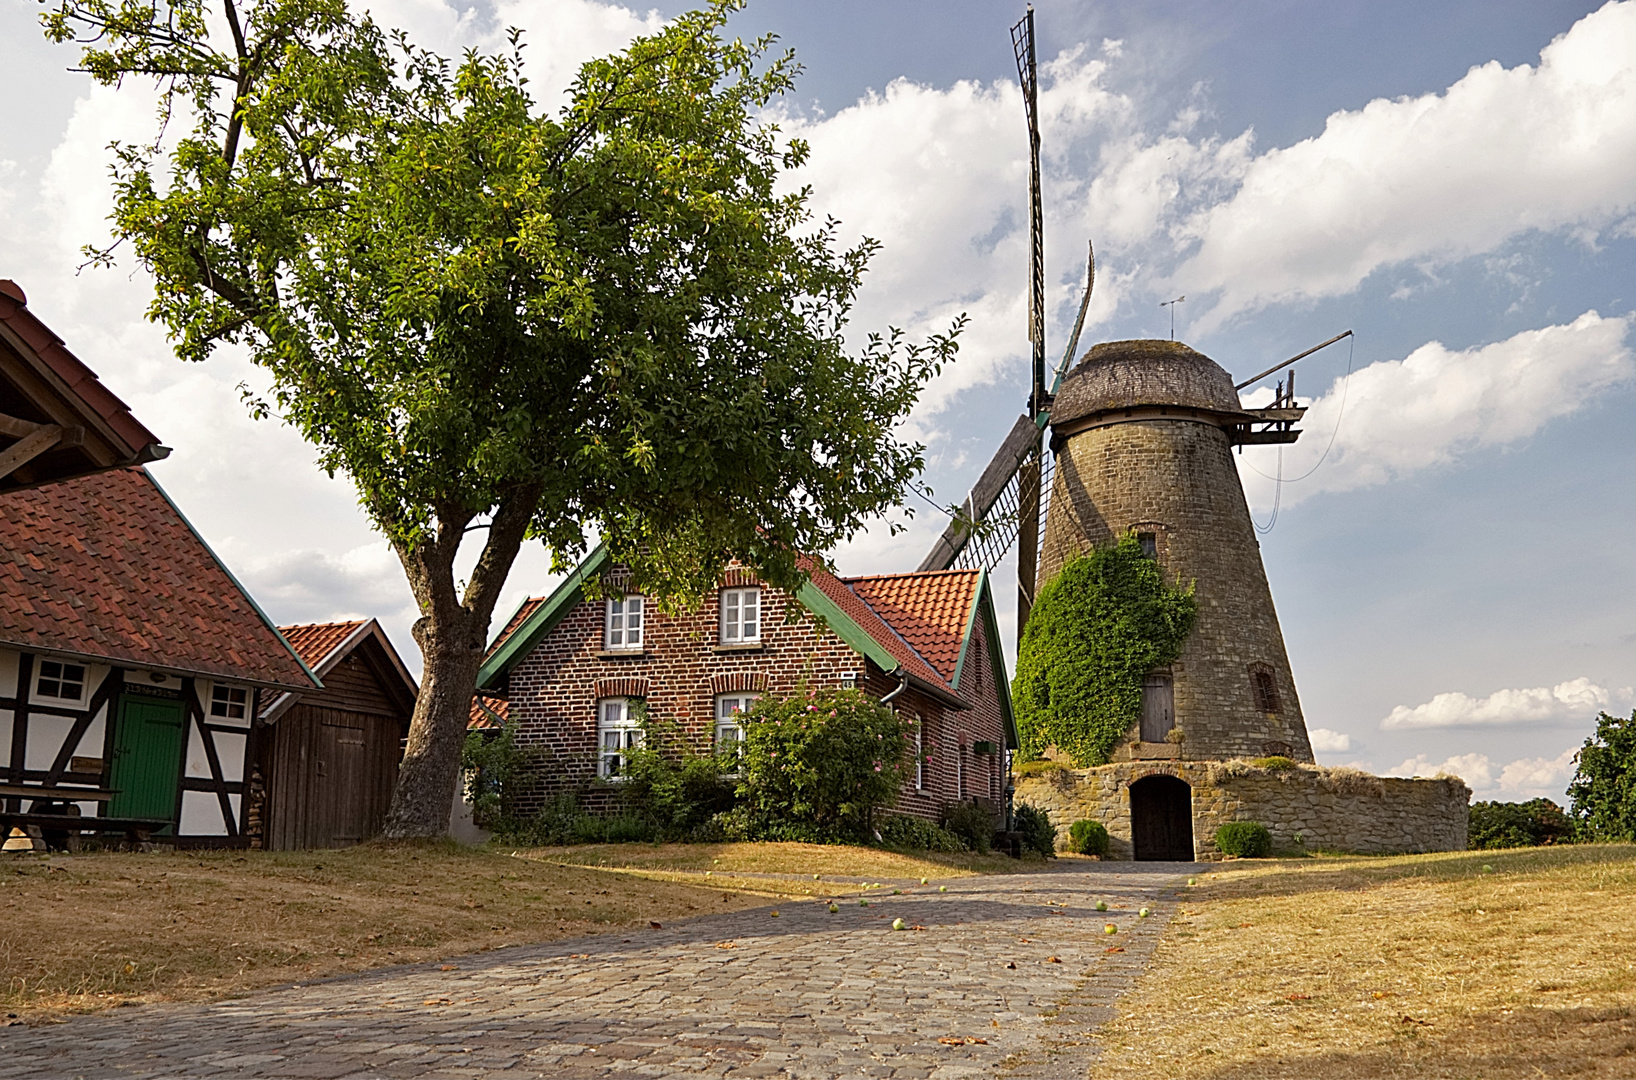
x=1422, y=966
x=796, y=860
x=84, y=932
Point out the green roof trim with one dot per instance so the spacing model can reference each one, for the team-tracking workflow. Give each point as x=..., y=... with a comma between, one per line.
x=982, y=605
x=542, y=622
x=818, y=602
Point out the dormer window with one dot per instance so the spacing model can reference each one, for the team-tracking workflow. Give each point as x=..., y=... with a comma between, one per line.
x=231, y=702
x=741, y=616
x=622, y=628
x=64, y=682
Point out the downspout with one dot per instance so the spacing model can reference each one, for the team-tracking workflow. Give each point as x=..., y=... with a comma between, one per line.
x=903, y=684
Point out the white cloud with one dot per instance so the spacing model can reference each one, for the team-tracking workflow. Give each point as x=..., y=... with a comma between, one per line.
x=1574, y=700
x=1325, y=741
x=1431, y=179
x=1525, y=778
x=1396, y=417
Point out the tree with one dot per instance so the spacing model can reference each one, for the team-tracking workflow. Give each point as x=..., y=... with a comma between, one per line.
x=492, y=319
x=1096, y=631
x=1602, y=793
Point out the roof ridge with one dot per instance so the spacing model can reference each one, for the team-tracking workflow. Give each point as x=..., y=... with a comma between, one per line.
x=908, y=574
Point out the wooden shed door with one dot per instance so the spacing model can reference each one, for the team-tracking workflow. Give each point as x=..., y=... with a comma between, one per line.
x=340, y=790
x=147, y=765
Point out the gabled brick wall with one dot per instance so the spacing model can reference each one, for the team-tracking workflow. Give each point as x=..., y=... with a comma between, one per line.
x=554, y=691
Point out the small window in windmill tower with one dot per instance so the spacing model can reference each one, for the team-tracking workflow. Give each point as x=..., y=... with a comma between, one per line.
x=229, y=701
x=623, y=626
x=1150, y=544
x=65, y=682
x=1264, y=685
x=740, y=616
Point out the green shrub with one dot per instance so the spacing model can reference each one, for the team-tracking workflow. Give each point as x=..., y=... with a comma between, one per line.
x=971, y=823
x=1089, y=837
x=671, y=786
x=1038, y=833
x=1246, y=839
x=1038, y=767
x=916, y=834
x=499, y=776
x=1530, y=824
x=1603, y=790
x=821, y=765
x=1096, y=630
x=1276, y=763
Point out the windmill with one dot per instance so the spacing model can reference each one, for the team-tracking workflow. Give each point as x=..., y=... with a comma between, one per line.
x=1006, y=505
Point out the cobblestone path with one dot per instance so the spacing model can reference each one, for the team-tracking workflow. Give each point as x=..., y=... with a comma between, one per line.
x=807, y=994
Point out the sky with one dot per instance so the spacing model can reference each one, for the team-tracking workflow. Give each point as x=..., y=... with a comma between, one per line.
x=1450, y=546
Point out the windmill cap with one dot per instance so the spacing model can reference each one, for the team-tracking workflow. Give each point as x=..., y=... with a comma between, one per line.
x=1118, y=375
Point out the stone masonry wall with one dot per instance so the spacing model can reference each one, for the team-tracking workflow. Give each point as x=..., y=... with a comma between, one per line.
x=1175, y=478
x=1330, y=810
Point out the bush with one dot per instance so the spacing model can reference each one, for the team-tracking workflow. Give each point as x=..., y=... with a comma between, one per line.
x=499, y=775
x=671, y=786
x=916, y=834
x=1095, y=632
x=1603, y=790
x=1530, y=824
x=971, y=823
x=821, y=765
x=1037, y=831
x=1038, y=767
x=1089, y=837
x=1246, y=839
x=1276, y=763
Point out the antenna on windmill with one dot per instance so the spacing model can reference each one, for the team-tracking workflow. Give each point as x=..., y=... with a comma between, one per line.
x=1171, y=304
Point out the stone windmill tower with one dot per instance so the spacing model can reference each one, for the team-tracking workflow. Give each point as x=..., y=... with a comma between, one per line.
x=1143, y=433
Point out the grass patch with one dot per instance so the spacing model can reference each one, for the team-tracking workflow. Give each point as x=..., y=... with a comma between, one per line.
x=95, y=930
x=1424, y=966
x=797, y=860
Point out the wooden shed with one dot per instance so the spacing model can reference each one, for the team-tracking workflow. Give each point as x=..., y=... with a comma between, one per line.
x=329, y=758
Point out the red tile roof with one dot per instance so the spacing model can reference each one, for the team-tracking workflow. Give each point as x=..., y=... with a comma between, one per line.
x=528, y=607
x=485, y=709
x=871, y=622
x=315, y=641
x=42, y=382
x=105, y=566
x=929, y=611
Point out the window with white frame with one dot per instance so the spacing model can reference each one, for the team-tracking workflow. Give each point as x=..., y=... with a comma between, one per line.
x=231, y=702
x=740, y=616
x=920, y=752
x=623, y=626
x=65, y=682
x=618, y=732
x=730, y=709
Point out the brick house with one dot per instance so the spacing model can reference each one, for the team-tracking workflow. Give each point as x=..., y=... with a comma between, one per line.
x=567, y=670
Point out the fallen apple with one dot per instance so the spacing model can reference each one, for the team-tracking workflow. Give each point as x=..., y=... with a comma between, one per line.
x=1144, y=913
x=897, y=924
x=942, y=888
x=1101, y=905
x=1110, y=929
x=833, y=908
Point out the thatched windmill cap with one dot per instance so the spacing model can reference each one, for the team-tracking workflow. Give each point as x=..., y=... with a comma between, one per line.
x=1116, y=376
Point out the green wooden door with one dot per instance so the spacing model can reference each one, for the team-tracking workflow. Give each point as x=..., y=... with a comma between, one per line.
x=147, y=761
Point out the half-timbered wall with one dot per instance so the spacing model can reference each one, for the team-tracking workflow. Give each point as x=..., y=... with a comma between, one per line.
x=60, y=742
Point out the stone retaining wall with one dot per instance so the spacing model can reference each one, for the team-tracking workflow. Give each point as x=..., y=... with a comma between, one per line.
x=1306, y=808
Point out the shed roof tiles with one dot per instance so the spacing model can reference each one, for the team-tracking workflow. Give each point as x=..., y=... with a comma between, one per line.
x=104, y=566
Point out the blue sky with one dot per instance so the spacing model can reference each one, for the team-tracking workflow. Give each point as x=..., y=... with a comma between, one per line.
x=1455, y=182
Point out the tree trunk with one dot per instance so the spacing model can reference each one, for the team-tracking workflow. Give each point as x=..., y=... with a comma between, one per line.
x=452, y=633
x=427, y=779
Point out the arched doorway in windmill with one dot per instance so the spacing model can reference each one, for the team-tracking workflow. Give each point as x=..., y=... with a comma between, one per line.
x=1161, y=818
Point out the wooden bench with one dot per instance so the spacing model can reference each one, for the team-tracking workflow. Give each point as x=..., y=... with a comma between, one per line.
x=62, y=827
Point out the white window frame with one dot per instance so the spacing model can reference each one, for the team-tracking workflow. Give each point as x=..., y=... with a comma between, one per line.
x=920, y=753
x=223, y=702
x=63, y=667
x=726, y=729
x=617, y=733
x=623, y=624
x=736, y=627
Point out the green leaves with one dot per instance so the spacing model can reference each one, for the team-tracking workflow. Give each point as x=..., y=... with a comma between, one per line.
x=1095, y=632
x=1603, y=790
